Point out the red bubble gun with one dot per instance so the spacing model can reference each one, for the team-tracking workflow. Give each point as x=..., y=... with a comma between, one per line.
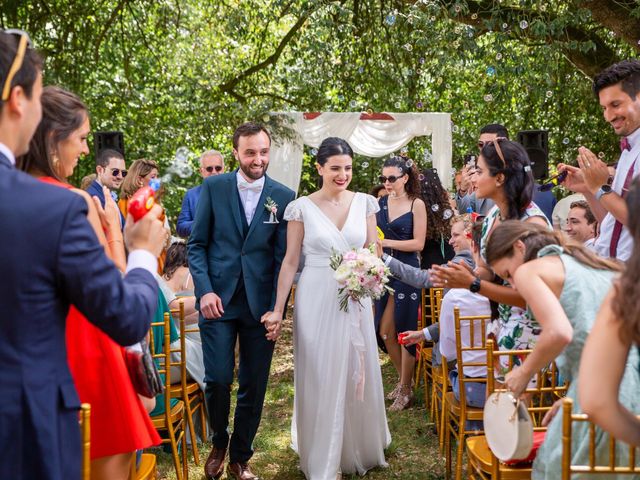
x=143, y=200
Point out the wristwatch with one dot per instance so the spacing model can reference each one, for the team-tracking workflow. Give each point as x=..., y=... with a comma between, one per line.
x=603, y=190
x=475, y=285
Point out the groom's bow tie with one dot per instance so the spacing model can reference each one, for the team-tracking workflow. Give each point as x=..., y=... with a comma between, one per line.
x=252, y=187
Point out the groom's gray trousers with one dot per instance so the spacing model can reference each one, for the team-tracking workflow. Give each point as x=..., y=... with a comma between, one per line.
x=218, y=344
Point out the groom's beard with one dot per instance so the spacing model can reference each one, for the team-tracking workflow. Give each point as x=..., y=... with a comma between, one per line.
x=253, y=175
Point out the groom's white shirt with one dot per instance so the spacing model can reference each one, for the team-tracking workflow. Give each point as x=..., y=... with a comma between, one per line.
x=249, y=197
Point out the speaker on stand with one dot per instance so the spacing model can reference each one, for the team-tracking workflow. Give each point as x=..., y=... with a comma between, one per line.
x=108, y=140
x=536, y=143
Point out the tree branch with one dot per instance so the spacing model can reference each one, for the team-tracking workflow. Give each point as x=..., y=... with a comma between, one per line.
x=229, y=85
x=107, y=26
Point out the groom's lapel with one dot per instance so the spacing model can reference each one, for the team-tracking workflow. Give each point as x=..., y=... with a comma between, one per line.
x=234, y=202
x=257, y=216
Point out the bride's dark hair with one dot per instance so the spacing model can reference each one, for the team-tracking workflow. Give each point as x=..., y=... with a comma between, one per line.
x=332, y=146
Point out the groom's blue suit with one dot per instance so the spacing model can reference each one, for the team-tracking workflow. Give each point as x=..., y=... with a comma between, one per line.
x=51, y=258
x=240, y=263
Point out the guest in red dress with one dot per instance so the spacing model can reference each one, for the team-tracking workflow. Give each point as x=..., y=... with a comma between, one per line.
x=119, y=420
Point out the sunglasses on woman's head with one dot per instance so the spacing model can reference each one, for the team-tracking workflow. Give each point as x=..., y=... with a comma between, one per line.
x=24, y=42
x=210, y=169
x=116, y=171
x=391, y=178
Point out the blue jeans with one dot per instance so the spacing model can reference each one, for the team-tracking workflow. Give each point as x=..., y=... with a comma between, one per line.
x=476, y=395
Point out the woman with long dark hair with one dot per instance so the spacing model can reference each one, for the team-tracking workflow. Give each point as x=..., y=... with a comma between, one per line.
x=436, y=249
x=339, y=422
x=403, y=220
x=503, y=175
x=614, y=339
x=564, y=285
x=119, y=422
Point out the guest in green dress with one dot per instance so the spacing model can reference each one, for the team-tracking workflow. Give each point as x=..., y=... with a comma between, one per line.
x=564, y=285
x=615, y=334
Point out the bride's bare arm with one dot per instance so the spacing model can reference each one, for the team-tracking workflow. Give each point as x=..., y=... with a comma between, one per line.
x=273, y=320
x=372, y=234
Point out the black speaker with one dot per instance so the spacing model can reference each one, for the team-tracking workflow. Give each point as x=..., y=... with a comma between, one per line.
x=112, y=140
x=536, y=143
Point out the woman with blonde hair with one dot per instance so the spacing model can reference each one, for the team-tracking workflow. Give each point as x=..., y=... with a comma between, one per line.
x=564, y=285
x=141, y=172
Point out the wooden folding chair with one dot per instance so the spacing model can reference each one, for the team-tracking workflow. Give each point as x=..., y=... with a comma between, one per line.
x=85, y=432
x=457, y=413
x=171, y=421
x=188, y=390
x=439, y=382
x=421, y=350
x=147, y=468
x=482, y=463
x=593, y=467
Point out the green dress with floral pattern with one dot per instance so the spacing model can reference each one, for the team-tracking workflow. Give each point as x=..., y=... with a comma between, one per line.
x=515, y=328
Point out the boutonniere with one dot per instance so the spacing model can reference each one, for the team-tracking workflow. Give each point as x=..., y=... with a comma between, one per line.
x=271, y=207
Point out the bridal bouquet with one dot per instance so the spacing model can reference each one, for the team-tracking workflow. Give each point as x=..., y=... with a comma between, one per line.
x=360, y=273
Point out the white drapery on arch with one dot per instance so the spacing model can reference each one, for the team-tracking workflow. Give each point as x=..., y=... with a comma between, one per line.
x=372, y=135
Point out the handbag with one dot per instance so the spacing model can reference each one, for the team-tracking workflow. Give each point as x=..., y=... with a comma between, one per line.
x=142, y=369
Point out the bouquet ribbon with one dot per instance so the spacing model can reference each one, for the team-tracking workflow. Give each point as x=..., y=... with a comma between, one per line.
x=357, y=342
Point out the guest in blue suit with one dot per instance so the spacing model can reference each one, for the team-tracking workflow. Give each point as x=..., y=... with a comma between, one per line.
x=211, y=164
x=51, y=259
x=236, y=248
x=110, y=172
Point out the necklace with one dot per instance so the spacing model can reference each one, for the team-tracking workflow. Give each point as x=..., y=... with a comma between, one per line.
x=394, y=196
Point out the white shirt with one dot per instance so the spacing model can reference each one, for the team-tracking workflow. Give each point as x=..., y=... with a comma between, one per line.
x=7, y=153
x=625, y=245
x=470, y=304
x=249, y=198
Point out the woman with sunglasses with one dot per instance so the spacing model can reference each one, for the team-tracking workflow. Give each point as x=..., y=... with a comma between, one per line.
x=140, y=174
x=504, y=175
x=403, y=220
x=119, y=422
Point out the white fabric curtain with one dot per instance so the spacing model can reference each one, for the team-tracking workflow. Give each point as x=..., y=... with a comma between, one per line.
x=372, y=138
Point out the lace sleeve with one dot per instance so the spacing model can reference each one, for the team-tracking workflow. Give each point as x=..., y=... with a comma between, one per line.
x=373, y=206
x=293, y=212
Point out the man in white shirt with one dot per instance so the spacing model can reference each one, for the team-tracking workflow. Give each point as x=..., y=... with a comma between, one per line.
x=618, y=91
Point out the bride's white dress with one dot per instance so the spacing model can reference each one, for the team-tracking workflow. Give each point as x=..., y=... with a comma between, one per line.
x=339, y=419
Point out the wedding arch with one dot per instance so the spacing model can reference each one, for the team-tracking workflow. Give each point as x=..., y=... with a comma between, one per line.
x=369, y=134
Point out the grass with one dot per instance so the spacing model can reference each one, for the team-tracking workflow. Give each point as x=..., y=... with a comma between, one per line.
x=413, y=453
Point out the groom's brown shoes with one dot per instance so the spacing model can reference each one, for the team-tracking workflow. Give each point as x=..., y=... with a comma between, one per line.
x=241, y=471
x=214, y=466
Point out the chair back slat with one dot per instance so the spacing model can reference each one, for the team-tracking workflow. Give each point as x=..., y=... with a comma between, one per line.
x=85, y=429
x=593, y=467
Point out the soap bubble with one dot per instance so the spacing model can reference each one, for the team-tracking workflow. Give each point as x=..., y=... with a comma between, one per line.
x=365, y=164
x=414, y=296
x=409, y=163
x=408, y=47
x=184, y=171
x=601, y=155
x=353, y=104
x=474, y=16
x=314, y=151
x=498, y=56
x=182, y=155
x=488, y=97
x=421, y=177
x=524, y=24
x=447, y=214
x=265, y=118
x=401, y=296
x=397, y=104
x=435, y=207
x=565, y=141
x=549, y=94
x=390, y=19
x=419, y=105
x=491, y=71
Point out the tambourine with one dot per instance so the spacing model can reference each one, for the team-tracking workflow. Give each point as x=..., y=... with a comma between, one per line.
x=508, y=427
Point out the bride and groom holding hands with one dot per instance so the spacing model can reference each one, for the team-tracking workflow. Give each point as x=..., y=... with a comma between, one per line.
x=243, y=261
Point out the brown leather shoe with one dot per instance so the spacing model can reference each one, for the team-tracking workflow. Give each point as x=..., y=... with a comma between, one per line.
x=214, y=466
x=241, y=471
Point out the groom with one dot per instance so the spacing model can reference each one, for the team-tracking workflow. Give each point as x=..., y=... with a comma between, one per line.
x=235, y=253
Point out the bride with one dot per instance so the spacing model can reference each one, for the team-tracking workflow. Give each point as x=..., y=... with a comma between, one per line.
x=339, y=421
